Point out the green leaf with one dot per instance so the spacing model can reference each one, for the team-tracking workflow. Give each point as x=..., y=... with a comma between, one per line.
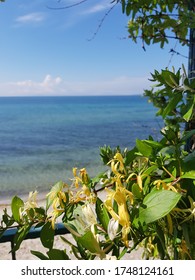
x=89, y=242
x=130, y=156
x=189, y=175
x=188, y=162
x=189, y=112
x=56, y=254
x=153, y=144
x=172, y=104
x=20, y=236
x=160, y=240
x=158, y=204
x=168, y=151
x=47, y=235
x=151, y=169
x=16, y=204
x=136, y=191
x=143, y=148
x=187, y=135
x=39, y=255
x=102, y=213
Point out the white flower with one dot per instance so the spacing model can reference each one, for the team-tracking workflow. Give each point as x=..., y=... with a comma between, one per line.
x=89, y=214
x=32, y=200
x=113, y=226
x=31, y=203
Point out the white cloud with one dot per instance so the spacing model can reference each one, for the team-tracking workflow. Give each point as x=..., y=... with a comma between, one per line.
x=97, y=8
x=57, y=86
x=115, y=86
x=30, y=18
x=48, y=86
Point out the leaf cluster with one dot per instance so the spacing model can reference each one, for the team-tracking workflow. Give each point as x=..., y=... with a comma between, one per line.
x=158, y=21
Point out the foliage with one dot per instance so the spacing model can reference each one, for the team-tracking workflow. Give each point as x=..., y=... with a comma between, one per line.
x=156, y=21
x=145, y=199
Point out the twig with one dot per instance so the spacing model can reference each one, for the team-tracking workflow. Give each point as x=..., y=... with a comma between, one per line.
x=67, y=7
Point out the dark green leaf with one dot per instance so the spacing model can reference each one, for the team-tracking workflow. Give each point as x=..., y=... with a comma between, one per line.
x=39, y=255
x=187, y=135
x=102, y=214
x=56, y=254
x=20, y=236
x=47, y=235
x=172, y=104
x=130, y=156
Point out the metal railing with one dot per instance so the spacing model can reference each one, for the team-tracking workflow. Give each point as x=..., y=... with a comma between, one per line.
x=8, y=235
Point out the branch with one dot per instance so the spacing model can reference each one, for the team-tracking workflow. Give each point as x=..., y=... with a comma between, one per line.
x=102, y=21
x=67, y=7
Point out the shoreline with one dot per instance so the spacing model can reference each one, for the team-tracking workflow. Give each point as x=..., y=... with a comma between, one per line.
x=6, y=200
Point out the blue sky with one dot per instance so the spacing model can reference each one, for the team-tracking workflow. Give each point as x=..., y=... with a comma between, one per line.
x=49, y=52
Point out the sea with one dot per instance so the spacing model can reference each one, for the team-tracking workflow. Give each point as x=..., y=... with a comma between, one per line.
x=43, y=138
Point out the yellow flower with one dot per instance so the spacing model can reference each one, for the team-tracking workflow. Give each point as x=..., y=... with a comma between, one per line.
x=83, y=179
x=120, y=159
x=165, y=186
x=74, y=171
x=120, y=195
x=84, y=176
x=56, y=198
x=117, y=165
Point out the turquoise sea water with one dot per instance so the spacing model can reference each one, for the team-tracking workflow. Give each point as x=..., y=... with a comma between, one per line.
x=42, y=138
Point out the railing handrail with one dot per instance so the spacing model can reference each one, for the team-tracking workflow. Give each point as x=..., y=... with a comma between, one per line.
x=8, y=235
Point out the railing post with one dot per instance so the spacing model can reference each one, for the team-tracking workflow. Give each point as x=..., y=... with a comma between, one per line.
x=13, y=251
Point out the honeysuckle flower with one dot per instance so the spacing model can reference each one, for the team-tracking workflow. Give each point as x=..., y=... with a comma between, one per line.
x=80, y=182
x=164, y=185
x=84, y=176
x=74, y=171
x=77, y=180
x=89, y=214
x=113, y=227
x=82, y=194
x=95, y=234
x=120, y=159
x=117, y=165
x=120, y=195
x=29, y=204
x=184, y=212
x=85, y=218
x=32, y=200
x=57, y=199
